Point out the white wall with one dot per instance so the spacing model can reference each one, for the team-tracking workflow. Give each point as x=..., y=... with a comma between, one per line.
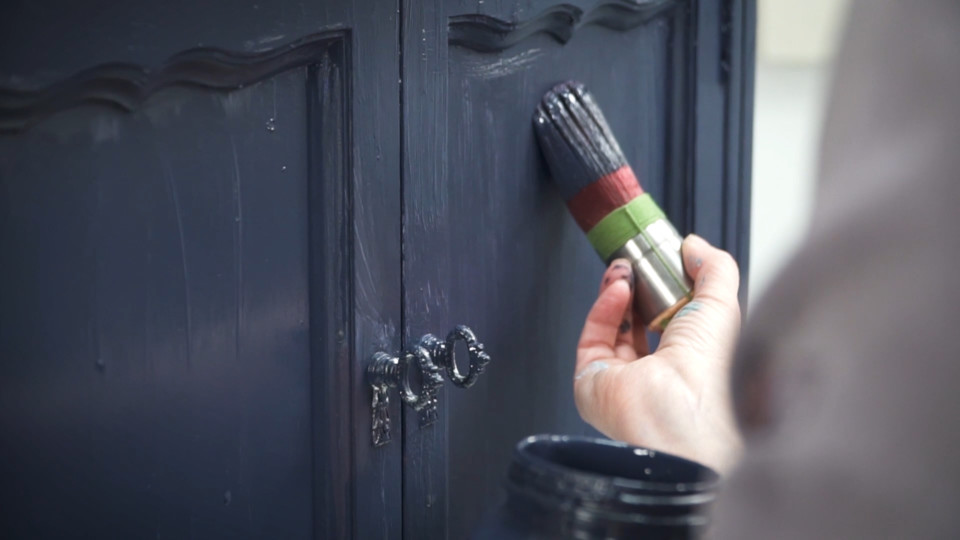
x=801, y=32
x=796, y=44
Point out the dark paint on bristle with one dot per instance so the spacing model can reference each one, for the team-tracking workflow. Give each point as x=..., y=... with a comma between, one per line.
x=585, y=160
x=604, y=197
x=575, y=138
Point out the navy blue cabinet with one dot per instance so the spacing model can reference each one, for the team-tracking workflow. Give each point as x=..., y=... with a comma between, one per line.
x=212, y=214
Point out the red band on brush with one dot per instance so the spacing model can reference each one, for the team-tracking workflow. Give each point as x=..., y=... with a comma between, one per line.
x=603, y=196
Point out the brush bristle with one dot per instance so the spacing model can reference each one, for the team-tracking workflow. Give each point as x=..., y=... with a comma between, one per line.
x=575, y=138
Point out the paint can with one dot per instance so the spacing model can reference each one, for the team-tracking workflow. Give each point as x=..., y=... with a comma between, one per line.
x=586, y=488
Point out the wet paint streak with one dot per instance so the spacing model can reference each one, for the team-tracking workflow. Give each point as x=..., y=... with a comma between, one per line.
x=238, y=246
x=504, y=66
x=187, y=308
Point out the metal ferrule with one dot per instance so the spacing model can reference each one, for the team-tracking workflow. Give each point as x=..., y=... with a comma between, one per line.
x=661, y=287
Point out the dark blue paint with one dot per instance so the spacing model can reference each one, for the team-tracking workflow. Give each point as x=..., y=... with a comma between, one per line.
x=487, y=239
x=189, y=291
x=183, y=319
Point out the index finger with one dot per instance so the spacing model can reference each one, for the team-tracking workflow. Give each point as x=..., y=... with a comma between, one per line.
x=599, y=337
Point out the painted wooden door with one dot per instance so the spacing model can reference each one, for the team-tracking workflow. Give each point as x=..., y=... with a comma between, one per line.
x=212, y=214
x=487, y=240
x=199, y=230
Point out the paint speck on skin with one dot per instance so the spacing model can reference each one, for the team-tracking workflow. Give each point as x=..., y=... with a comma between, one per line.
x=593, y=367
x=624, y=327
x=688, y=309
x=698, y=262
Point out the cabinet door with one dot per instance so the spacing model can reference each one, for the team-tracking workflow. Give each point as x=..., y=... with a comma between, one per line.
x=487, y=240
x=199, y=210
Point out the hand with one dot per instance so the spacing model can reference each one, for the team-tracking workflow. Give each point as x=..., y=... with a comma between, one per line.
x=677, y=399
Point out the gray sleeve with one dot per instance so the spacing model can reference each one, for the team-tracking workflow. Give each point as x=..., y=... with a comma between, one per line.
x=847, y=381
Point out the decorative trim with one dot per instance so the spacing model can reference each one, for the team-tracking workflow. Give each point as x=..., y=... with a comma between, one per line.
x=126, y=87
x=483, y=33
x=332, y=300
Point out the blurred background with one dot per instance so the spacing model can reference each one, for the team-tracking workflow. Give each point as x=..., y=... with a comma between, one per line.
x=796, y=45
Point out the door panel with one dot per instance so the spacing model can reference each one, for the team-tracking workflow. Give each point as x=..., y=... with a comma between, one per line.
x=487, y=240
x=202, y=212
x=200, y=247
x=141, y=338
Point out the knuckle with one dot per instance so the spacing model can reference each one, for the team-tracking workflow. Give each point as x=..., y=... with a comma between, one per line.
x=721, y=281
x=719, y=302
x=727, y=263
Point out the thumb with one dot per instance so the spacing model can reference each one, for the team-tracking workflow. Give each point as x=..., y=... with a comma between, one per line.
x=710, y=322
x=714, y=272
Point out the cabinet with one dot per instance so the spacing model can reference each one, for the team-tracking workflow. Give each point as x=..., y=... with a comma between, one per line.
x=214, y=212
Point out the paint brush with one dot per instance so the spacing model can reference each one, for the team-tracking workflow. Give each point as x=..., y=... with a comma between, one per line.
x=606, y=200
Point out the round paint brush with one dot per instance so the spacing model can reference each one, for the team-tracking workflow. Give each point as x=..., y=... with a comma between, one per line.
x=606, y=200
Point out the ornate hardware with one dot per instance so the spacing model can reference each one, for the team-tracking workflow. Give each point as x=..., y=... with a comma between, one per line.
x=428, y=357
x=443, y=355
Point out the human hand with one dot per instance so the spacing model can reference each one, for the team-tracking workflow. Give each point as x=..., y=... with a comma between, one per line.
x=677, y=399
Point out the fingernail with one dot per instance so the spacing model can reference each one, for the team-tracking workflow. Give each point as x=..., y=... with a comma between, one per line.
x=625, y=273
x=619, y=269
x=695, y=238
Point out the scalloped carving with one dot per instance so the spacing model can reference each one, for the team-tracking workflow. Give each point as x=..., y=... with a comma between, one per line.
x=483, y=33
x=127, y=86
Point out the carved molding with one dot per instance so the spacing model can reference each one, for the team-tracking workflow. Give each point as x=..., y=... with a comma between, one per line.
x=126, y=87
x=483, y=33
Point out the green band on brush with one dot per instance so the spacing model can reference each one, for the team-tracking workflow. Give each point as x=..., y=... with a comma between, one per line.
x=623, y=224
